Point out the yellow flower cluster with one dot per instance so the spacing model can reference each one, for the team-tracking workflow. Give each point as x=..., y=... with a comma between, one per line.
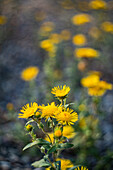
x=107, y=26
x=79, y=39
x=63, y=116
x=96, y=87
x=81, y=19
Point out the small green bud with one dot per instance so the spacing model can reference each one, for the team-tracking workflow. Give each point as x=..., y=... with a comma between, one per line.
x=29, y=127
x=42, y=149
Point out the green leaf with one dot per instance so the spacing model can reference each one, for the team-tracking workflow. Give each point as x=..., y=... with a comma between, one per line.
x=41, y=163
x=37, y=142
x=74, y=167
x=65, y=145
x=52, y=149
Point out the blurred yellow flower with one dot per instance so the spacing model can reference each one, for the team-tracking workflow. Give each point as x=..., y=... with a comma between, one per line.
x=65, y=35
x=29, y=127
x=60, y=91
x=28, y=111
x=107, y=26
x=100, y=88
x=55, y=38
x=90, y=81
x=81, y=19
x=3, y=20
x=40, y=15
x=81, y=168
x=98, y=4
x=66, y=117
x=82, y=123
x=94, y=32
x=48, y=111
x=47, y=45
x=10, y=106
x=79, y=39
x=29, y=73
x=86, y=52
x=68, y=131
x=47, y=26
x=82, y=107
x=82, y=65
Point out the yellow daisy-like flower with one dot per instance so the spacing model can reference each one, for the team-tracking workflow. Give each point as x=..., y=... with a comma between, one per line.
x=90, y=81
x=55, y=38
x=47, y=45
x=28, y=111
x=3, y=20
x=86, y=52
x=67, y=117
x=29, y=73
x=98, y=4
x=79, y=39
x=68, y=131
x=94, y=32
x=65, y=163
x=60, y=92
x=81, y=19
x=107, y=26
x=48, y=111
x=81, y=168
x=51, y=137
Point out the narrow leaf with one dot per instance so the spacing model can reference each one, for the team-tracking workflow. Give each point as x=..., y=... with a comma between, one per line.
x=65, y=145
x=30, y=121
x=52, y=149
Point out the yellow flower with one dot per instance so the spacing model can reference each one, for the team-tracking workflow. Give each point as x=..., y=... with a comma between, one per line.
x=58, y=132
x=28, y=111
x=100, y=88
x=47, y=27
x=86, y=52
x=81, y=168
x=68, y=131
x=65, y=163
x=65, y=35
x=94, y=32
x=3, y=20
x=10, y=106
x=29, y=73
x=51, y=137
x=82, y=107
x=48, y=111
x=55, y=38
x=67, y=117
x=79, y=39
x=82, y=123
x=81, y=19
x=98, y=4
x=107, y=26
x=60, y=92
x=90, y=81
x=82, y=65
x=47, y=45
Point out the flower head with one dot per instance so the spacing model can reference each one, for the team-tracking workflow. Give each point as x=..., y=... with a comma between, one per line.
x=29, y=73
x=90, y=81
x=65, y=163
x=107, y=26
x=65, y=35
x=81, y=168
x=3, y=20
x=28, y=111
x=60, y=92
x=68, y=131
x=81, y=19
x=98, y=4
x=58, y=133
x=48, y=111
x=66, y=117
x=79, y=39
x=86, y=52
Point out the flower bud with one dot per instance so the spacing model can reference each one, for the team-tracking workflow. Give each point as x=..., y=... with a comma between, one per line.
x=29, y=127
x=58, y=133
